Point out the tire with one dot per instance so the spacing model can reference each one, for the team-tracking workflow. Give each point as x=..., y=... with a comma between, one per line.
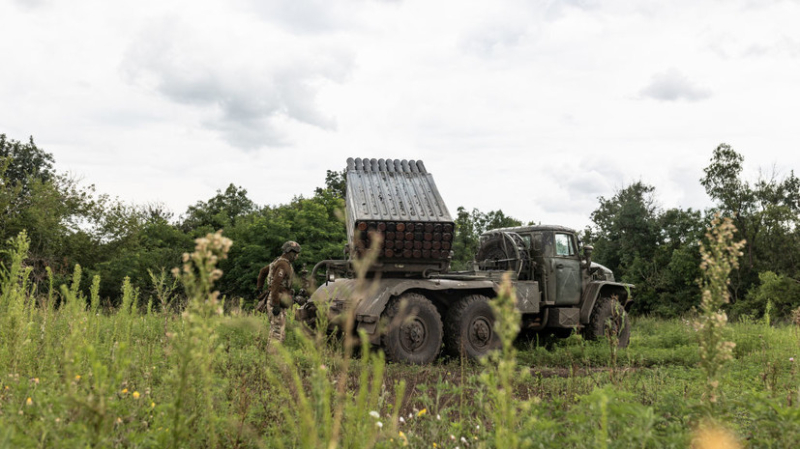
x=414, y=333
x=470, y=328
x=603, y=314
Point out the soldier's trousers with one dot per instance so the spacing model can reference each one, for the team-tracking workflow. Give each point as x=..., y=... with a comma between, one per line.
x=277, y=326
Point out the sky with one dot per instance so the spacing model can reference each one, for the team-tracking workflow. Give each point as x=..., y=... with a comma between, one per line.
x=537, y=108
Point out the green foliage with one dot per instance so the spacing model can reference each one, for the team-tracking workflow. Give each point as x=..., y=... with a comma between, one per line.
x=68, y=224
x=76, y=374
x=24, y=163
x=653, y=249
x=335, y=184
x=314, y=222
x=502, y=374
x=72, y=377
x=766, y=214
x=657, y=250
x=629, y=223
x=150, y=245
x=222, y=211
x=781, y=293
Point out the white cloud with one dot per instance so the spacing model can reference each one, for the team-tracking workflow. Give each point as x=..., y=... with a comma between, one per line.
x=672, y=85
x=247, y=80
x=31, y=4
x=308, y=16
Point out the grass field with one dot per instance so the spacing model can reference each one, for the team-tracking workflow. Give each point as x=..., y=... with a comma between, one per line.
x=79, y=376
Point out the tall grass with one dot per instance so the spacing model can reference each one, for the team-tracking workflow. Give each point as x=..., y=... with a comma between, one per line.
x=73, y=374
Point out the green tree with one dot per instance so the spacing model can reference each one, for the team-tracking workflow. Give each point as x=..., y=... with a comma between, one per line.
x=219, y=212
x=146, y=241
x=766, y=213
x=53, y=209
x=655, y=250
x=335, y=184
x=26, y=163
x=780, y=291
x=676, y=262
x=628, y=227
x=316, y=223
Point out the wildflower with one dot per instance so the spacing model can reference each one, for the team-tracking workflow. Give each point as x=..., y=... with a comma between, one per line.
x=124, y=391
x=410, y=416
x=379, y=424
x=438, y=417
x=119, y=420
x=35, y=380
x=152, y=405
x=374, y=414
x=403, y=437
x=422, y=412
x=136, y=395
x=77, y=377
x=29, y=401
x=402, y=420
x=478, y=427
x=323, y=367
x=791, y=359
x=463, y=440
x=434, y=445
x=452, y=437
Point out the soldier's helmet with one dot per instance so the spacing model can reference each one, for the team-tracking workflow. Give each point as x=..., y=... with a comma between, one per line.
x=291, y=246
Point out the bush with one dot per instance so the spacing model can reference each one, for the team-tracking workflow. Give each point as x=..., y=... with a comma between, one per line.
x=780, y=292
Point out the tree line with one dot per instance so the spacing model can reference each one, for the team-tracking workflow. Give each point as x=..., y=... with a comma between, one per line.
x=653, y=248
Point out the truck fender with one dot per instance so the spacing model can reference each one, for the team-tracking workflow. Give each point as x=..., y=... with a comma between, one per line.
x=595, y=290
x=368, y=311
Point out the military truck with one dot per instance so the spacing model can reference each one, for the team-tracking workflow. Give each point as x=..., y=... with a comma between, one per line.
x=417, y=305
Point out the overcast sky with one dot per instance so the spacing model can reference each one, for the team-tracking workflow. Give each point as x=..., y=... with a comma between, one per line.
x=533, y=107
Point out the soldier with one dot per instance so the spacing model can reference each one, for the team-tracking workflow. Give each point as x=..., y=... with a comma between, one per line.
x=278, y=296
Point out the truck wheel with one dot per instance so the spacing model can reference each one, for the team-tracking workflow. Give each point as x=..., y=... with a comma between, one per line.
x=608, y=312
x=470, y=328
x=414, y=333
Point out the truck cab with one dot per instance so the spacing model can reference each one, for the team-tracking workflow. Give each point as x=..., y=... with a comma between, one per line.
x=570, y=284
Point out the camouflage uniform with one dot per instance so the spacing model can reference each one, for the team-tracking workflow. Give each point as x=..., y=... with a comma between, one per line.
x=279, y=276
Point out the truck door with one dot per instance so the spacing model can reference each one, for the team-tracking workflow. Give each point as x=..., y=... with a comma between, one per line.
x=566, y=265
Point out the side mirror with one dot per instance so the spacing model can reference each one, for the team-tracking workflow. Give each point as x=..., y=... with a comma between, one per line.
x=587, y=250
x=587, y=255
